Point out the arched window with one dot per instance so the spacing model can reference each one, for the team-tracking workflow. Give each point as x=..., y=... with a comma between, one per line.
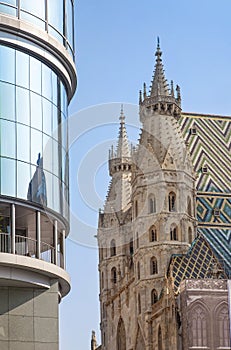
x=138, y=270
x=113, y=247
x=131, y=248
x=190, y=237
x=153, y=266
x=189, y=206
x=136, y=209
x=152, y=204
x=159, y=339
x=198, y=326
x=172, y=201
x=173, y=233
x=154, y=296
x=139, y=304
x=113, y=275
x=152, y=234
x=222, y=318
x=121, y=336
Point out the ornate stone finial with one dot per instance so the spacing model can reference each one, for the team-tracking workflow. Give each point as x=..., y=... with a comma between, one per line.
x=159, y=85
x=93, y=341
x=122, y=116
x=172, y=89
x=140, y=97
x=145, y=92
x=178, y=97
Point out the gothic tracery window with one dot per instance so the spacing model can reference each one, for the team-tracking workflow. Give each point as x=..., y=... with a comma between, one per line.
x=172, y=201
x=152, y=204
x=113, y=247
x=113, y=275
x=154, y=296
x=199, y=327
x=222, y=327
x=173, y=233
x=153, y=266
x=152, y=234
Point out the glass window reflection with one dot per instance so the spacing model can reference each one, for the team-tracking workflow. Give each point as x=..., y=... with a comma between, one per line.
x=46, y=82
x=49, y=188
x=36, y=111
x=7, y=101
x=47, y=116
x=56, y=158
x=8, y=137
x=56, y=191
x=35, y=8
x=7, y=66
x=23, y=179
x=22, y=106
x=36, y=145
x=23, y=143
x=47, y=153
x=22, y=69
x=35, y=75
x=8, y=10
x=69, y=18
x=55, y=15
x=8, y=177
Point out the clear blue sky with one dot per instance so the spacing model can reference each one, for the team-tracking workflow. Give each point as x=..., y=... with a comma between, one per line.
x=115, y=45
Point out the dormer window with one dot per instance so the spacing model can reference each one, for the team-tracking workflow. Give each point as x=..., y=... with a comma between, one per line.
x=193, y=131
x=204, y=169
x=216, y=212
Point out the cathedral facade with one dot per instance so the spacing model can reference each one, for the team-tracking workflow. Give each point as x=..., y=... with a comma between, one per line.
x=164, y=235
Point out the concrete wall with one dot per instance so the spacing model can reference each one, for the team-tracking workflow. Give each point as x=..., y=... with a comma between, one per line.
x=29, y=318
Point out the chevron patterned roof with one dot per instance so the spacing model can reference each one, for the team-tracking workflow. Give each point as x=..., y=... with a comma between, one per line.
x=208, y=138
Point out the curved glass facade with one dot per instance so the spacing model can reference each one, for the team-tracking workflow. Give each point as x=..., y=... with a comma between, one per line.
x=54, y=16
x=33, y=131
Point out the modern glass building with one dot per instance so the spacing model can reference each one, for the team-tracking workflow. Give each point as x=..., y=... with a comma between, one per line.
x=37, y=81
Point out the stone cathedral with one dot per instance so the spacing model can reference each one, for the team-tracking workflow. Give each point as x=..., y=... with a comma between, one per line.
x=164, y=234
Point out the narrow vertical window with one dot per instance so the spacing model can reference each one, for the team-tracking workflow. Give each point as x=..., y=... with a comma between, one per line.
x=153, y=266
x=152, y=234
x=173, y=233
x=172, y=201
x=113, y=247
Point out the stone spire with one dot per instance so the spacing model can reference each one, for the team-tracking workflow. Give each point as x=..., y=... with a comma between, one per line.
x=159, y=85
x=161, y=99
x=93, y=341
x=123, y=150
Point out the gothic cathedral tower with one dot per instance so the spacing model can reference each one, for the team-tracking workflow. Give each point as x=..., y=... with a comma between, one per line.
x=149, y=215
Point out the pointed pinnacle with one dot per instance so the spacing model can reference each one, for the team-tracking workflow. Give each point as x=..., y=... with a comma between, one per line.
x=122, y=116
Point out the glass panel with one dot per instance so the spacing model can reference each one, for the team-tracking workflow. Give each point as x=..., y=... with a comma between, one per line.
x=49, y=189
x=56, y=164
x=35, y=7
x=47, y=116
x=22, y=106
x=23, y=180
x=7, y=67
x=36, y=111
x=55, y=14
x=36, y=146
x=69, y=24
x=30, y=18
x=55, y=133
x=35, y=75
x=8, y=10
x=7, y=101
x=46, y=82
x=8, y=177
x=63, y=99
x=54, y=88
x=22, y=69
x=8, y=137
x=10, y=2
x=37, y=191
x=23, y=143
x=47, y=153
x=64, y=132
x=57, y=189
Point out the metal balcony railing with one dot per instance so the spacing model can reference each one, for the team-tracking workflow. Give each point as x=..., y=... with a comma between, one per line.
x=27, y=246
